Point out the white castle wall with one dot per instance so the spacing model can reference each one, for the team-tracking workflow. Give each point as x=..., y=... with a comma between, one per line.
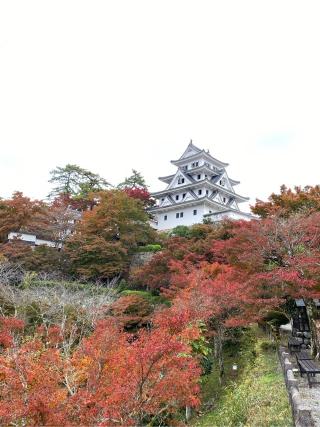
x=187, y=219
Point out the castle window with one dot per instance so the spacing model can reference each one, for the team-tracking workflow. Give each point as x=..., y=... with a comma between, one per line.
x=195, y=212
x=199, y=192
x=207, y=192
x=165, y=217
x=184, y=195
x=177, y=215
x=177, y=197
x=162, y=200
x=199, y=176
x=181, y=214
x=180, y=180
x=224, y=200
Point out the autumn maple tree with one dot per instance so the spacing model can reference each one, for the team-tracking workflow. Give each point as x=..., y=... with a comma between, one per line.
x=107, y=236
x=20, y=213
x=299, y=200
x=109, y=380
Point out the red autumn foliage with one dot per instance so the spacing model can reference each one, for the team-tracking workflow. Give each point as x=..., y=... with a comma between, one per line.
x=161, y=272
x=9, y=326
x=299, y=200
x=20, y=213
x=141, y=194
x=132, y=311
x=280, y=256
x=222, y=276
x=109, y=380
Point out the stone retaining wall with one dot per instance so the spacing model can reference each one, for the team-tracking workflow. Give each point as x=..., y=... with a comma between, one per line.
x=141, y=258
x=301, y=416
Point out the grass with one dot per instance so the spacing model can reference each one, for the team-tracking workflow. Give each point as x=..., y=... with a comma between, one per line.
x=256, y=398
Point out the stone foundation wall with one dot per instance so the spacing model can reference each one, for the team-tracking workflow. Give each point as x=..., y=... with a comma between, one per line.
x=301, y=416
x=141, y=258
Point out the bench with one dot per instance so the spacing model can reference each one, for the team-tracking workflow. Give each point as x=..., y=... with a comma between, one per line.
x=303, y=355
x=294, y=344
x=309, y=368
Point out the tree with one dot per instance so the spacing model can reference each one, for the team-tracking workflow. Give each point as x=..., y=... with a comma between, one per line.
x=75, y=181
x=132, y=311
x=20, y=213
x=212, y=293
x=300, y=200
x=280, y=259
x=157, y=274
x=62, y=218
x=195, y=246
x=141, y=194
x=109, y=379
x=135, y=181
x=32, y=391
x=135, y=382
x=107, y=236
x=135, y=186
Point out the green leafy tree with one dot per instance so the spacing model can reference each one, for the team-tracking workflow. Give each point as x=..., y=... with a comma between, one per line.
x=75, y=181
x=134, y=181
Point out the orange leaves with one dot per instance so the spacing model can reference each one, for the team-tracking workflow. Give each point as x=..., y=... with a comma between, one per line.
x=19, y=213
x=9, y=326
x=289, y=201
x=109, y=379
x=106, y=236
x=132, y=311
x=33, y=385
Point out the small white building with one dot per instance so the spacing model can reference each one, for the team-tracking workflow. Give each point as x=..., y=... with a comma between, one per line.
x=199, y=189
x=32, y=239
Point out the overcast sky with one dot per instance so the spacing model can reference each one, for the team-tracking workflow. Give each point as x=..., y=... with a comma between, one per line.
x=116, y=85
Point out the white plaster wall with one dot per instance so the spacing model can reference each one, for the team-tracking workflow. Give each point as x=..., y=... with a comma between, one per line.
x=47, y=243
x=188, y=217
x=22, y=236
x=208, y=209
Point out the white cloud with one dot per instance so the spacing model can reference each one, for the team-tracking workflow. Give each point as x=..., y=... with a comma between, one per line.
x=116, y=85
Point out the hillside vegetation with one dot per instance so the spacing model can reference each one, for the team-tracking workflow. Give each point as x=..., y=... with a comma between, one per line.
x=253, y=396
x=87, y=340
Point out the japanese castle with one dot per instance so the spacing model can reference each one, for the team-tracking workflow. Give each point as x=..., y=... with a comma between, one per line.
x=199, y=189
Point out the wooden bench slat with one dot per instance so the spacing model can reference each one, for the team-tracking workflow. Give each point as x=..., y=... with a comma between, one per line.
x=309, y=366
x=303, y=355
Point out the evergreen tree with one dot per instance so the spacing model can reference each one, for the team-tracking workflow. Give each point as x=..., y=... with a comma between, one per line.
x=75, y=181
x=134, y=181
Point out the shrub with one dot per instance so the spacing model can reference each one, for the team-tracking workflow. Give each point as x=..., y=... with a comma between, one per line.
x=150, y=248
x=268, y=345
